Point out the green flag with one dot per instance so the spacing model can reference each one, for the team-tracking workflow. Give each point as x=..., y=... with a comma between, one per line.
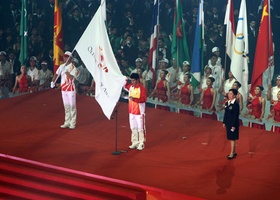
x=23, y=33
x=179, y=48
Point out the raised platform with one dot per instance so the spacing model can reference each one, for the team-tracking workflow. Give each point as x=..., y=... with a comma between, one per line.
x=185, y=155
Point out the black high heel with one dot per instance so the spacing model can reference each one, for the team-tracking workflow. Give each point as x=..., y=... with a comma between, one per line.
x=231, y=157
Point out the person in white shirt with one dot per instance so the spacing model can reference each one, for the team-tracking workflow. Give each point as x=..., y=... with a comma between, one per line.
x=227, y=84
x=6, y=70
x=34, y=74
x=45, y=76
x=173, y=71
x=216, y=51
x=207, y=73
x=179, y=78
x=217, y=73
x=68, y=73
x=272, y=91
x=138, y=64
x=163, y=65
x=83, y=78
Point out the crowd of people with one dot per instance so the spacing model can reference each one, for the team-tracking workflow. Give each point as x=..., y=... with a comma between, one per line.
x=129, y=27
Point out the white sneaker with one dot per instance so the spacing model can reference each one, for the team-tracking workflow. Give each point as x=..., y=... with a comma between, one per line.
x=140, y=147
x=64, y=126
x=134, y=145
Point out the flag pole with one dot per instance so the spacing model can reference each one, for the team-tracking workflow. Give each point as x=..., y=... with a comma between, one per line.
x=225, y=63
x=269, y=43
x=116, y=152
x=157, y=34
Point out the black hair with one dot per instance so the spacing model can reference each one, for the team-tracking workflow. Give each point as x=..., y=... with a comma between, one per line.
x=234, y=91
x=165, y=72
x=212, y=79
x=188, y=75
x=134, y=76
x=261, y=87
x=238, y=84
x=214, y=55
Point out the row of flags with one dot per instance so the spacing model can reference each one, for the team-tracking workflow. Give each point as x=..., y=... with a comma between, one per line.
x=237, y=47
x=95, y=50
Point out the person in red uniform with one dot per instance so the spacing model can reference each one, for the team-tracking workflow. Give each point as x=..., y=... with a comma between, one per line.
x=162, y=90
x=136, y=108
x=208, y=98
x=22, y=81
x=257, y=107
x=275, y=114
x=186, y=94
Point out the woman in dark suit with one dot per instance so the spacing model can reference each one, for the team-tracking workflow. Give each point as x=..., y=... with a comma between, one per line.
x=231, y=121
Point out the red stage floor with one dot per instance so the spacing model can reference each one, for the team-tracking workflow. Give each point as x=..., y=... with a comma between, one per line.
x=195, y=166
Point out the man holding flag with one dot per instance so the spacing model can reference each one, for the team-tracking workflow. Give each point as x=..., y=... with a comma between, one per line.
x=68, y=73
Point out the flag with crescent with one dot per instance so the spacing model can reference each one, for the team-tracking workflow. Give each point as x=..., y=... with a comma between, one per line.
x=23, y=33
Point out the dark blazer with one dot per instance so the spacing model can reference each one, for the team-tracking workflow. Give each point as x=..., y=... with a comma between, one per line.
x=231, y=116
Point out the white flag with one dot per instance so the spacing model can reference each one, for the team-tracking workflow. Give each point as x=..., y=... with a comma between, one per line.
x=239, y=60
x=95, y=51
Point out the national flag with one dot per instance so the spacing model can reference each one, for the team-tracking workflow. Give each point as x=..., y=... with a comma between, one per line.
x=239, y=61
x=58, y=43
x=230, y=28
x=197, y=57
x=96, y=53
x=179, y=46
x=264, y=49
x=23, y=33
x=152, y=61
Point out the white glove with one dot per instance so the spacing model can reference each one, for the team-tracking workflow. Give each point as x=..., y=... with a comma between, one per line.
x=52, y=84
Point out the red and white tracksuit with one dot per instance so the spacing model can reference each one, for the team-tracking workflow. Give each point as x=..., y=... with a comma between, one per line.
x=68, y=93
x=136, y=109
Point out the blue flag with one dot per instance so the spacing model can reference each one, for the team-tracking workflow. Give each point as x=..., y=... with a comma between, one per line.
x=197, y=58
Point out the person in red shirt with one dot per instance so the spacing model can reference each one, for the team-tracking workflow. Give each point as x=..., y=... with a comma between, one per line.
x=22, y=81
x=275, y=114
x=136, y=107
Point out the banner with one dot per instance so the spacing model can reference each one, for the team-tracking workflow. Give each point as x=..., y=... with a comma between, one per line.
x=96, y=53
